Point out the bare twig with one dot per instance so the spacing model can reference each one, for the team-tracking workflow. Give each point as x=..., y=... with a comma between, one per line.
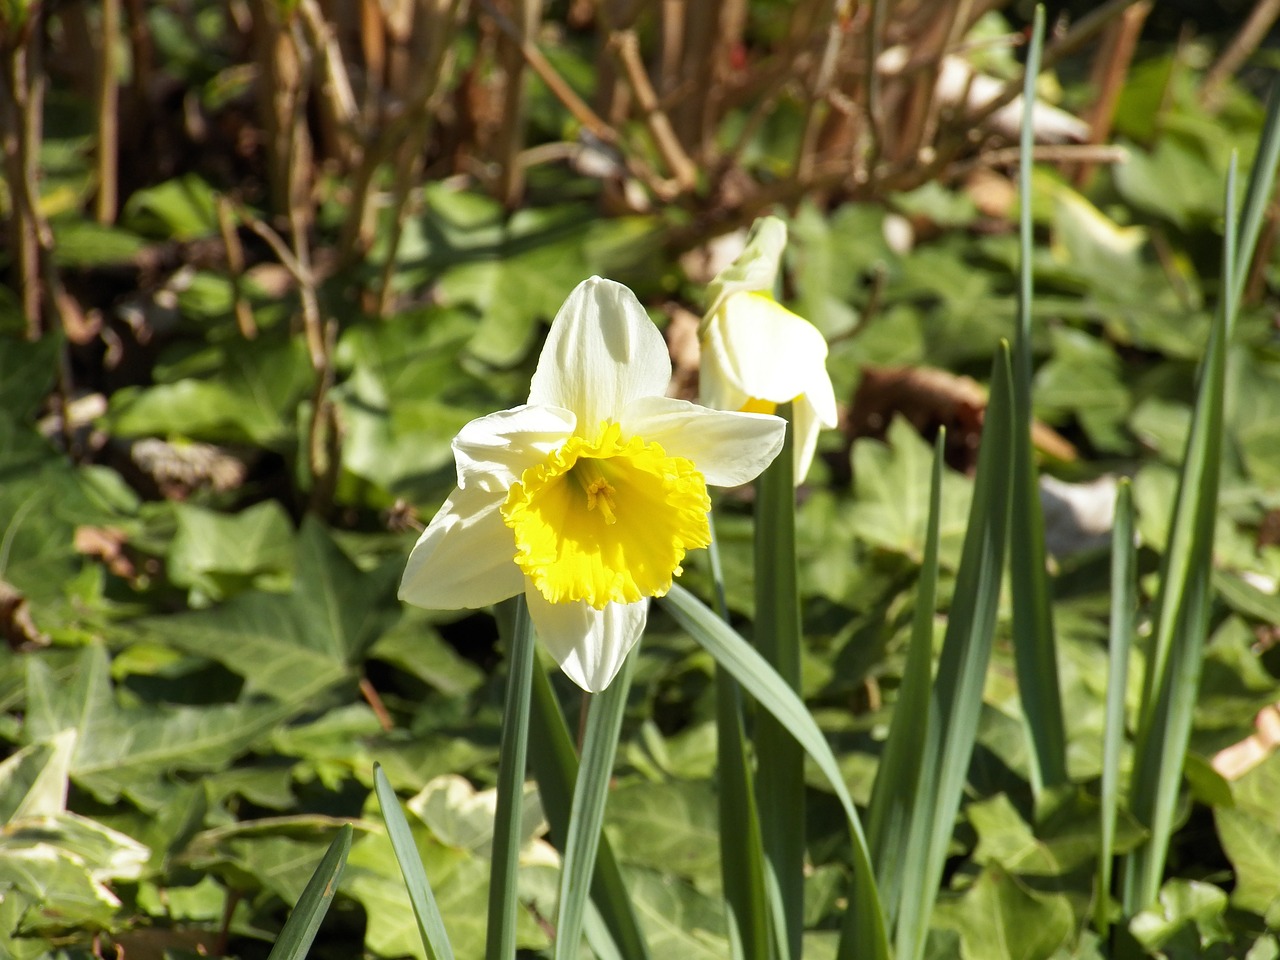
x=626, y=48
x=107, y=155
x=21, y=130
x=338, y=102
x=558, y=86
x=511, y=133
x=235, y=269
x=1108, y=76
x=1261, y=19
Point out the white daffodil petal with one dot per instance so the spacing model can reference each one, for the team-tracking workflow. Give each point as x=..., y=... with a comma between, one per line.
x=766, y=350
x=727, y=448
x=465, y=558
x=716, y=387
x=492, y=451
x=755, y=269
x=589, y=644
x=602, y=352
x=806, y=425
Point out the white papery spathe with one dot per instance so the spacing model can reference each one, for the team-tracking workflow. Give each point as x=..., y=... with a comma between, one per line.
x=604, y=362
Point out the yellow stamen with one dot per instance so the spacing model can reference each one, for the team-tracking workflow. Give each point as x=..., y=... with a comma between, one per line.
x=599, y=492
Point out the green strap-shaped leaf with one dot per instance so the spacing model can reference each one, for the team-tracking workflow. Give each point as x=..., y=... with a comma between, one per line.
x=300, y=929
x=898, y=778
x=779, y=759
x=762, y=682
x=586, y=817
x=1124, y=606
x=1035, y=657
x=500, y=941
x=430, y=924
x=1182, y=606
x=962, y=668
x=556, y=767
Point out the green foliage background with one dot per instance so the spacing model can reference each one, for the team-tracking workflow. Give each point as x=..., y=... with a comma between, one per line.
x=205, y=657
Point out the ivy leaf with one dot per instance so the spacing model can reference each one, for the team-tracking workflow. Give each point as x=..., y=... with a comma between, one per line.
x=1000, y=918
x=892, y=487
x=291, y=646
x=120, y=749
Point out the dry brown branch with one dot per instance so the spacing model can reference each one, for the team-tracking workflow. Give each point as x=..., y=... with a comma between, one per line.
x=245, y=322
x=626, y=48
x=21, y=131
x=108, y=148
x=510, y=140
x=1108, y=76
x=337, y=101
x=1261, y=19
x=558, y=86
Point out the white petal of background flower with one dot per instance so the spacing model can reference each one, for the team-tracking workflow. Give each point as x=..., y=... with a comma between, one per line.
x=601, y=353
x=806, y=425
x=727, y=448
x=465, y=558
x=766, y=350
x=493, y=451
x=589, y=644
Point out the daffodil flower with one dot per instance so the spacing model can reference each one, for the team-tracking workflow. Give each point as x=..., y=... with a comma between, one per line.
x=586, y=498
x=757, y=354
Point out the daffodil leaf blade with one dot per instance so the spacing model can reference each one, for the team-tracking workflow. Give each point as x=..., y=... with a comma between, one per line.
x=898, y=776
x=430, y=923
x=762, y=682
x=586, y=815
x=555, y=766
x=304, y=922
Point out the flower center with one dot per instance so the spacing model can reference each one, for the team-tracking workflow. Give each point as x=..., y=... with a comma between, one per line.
x=606, y=521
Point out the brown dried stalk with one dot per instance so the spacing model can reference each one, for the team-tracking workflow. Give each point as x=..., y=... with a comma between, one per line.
x=21, y=130
x=107, y=154
x=1108, y=76
x=510, y=137
x=245, y=322
x=626, y=49
x=340, y=119
x=1261, y=19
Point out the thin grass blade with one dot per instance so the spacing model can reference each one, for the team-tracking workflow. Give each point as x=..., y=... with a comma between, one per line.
x=779, y=759
x=555, y=765
x=762, y=682
x=897, y=780
x=586, y=816
x=962, y=668
x=1035, y=656
x=300, y=929
x=500, y=941
x=430, y=924
x=1124, y=606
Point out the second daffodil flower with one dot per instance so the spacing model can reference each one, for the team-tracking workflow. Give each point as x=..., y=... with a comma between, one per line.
x=586, y=498
x=757, y=354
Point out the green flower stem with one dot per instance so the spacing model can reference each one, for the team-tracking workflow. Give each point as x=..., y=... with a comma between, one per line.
x=500, y=941
x=780, y=765
x=741, y=845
